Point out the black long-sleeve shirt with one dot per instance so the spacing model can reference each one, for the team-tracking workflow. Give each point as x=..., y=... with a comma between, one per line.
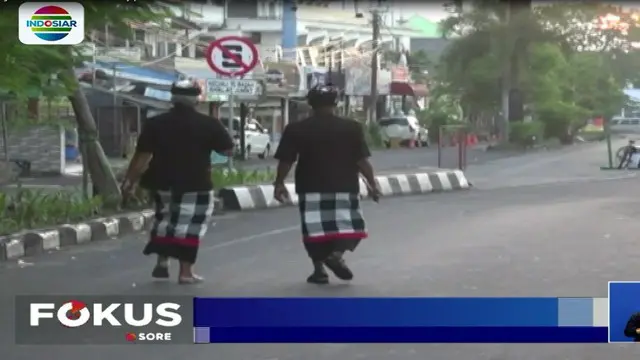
x=632, y=325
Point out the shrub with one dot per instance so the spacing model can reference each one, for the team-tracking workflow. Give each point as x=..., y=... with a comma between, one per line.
x=592, y=135
x=561, y=120
x=28, y=209
x=424, y=118
x=32, y=209
x=223, y=177
x=436, y=120
x=373, y=137
x=526, y=133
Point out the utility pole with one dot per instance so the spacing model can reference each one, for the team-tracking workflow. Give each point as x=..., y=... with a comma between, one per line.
x=374, y=66
x=329, y=49
x=506, y=79
x=342, y=80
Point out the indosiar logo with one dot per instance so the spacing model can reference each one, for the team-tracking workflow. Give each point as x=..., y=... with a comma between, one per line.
x=51, y=23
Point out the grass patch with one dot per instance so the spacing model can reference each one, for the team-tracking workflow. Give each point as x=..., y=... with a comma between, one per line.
x=35, y=209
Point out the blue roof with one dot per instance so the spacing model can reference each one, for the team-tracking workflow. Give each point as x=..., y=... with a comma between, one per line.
x=138, y=72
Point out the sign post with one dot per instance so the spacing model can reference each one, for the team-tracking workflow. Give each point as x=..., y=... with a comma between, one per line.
x=233, y=57
x=231, y=120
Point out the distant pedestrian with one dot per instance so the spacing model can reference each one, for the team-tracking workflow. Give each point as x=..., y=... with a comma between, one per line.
x=331, y=153
x=173, y=161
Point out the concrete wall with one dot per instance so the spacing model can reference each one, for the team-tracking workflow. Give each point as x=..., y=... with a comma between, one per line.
x=43, y=146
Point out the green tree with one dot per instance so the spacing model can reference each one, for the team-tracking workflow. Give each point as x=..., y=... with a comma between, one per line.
x=34, y=65
x=567, y=89
x=566, y=64
x=488, y=41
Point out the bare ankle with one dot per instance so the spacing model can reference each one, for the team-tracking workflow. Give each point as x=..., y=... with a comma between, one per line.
x=186, y=269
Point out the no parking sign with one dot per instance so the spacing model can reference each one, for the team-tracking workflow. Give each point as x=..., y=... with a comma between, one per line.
x=232, y=56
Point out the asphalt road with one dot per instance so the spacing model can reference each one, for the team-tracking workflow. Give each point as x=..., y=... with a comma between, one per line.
x=562, y=239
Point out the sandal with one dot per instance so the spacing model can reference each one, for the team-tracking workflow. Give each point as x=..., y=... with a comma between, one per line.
x=337, y=265
x=188, y=280
x=160, y=272
x=318, y=278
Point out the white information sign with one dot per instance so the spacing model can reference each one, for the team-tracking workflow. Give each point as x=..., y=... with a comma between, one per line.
x=237, y=87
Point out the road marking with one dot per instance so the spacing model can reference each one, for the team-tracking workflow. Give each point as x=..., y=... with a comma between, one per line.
x=249, y=238
x=488, y=184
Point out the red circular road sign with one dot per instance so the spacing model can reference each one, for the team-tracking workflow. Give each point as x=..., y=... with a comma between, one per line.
x=232, y=56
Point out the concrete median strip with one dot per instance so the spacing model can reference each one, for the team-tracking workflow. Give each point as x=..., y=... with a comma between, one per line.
x=34, y=242
x=261, y=196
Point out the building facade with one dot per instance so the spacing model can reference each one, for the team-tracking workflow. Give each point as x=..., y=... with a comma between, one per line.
x=319, y=26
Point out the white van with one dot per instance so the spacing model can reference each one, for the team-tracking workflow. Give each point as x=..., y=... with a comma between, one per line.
x=625, y=125
x=405, y=128
x=257, y=140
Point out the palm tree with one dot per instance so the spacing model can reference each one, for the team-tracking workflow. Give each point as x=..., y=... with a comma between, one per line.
x=499, y=30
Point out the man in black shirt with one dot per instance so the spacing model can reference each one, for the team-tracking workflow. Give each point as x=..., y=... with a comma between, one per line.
x=331, y=153
x=175, y=150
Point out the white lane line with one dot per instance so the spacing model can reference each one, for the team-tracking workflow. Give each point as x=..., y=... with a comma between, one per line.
x=249, y=238
x=487, y=184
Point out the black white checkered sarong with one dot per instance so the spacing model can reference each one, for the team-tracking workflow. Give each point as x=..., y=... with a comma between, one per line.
x=331, y=216
x=181, y=220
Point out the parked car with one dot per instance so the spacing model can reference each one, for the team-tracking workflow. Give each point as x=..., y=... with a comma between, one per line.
x=625, y=125
x=405, y=128
x=257, y=140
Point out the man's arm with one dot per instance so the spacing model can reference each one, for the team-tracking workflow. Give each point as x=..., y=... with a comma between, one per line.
x=287, y=154
x=362, y=155
x=222, y=142
x=141, y=158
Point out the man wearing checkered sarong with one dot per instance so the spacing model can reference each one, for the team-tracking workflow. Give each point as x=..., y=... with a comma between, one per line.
x=173, y=161
x=331, y=153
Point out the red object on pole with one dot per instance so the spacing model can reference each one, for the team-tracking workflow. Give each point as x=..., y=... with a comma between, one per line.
x=440, y=147
x=461, y=144
x=464, y=157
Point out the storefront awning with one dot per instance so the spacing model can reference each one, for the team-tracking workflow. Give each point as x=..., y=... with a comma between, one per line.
x=408, y=89
x=131, y=72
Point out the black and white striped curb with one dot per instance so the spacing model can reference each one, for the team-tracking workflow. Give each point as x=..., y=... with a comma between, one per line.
x=34, y=242
x=261, y=196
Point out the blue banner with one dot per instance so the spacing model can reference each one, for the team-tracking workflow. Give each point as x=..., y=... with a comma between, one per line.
x=289, y=30
x=343, y=334
x=624, y=310
x=375, y=312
